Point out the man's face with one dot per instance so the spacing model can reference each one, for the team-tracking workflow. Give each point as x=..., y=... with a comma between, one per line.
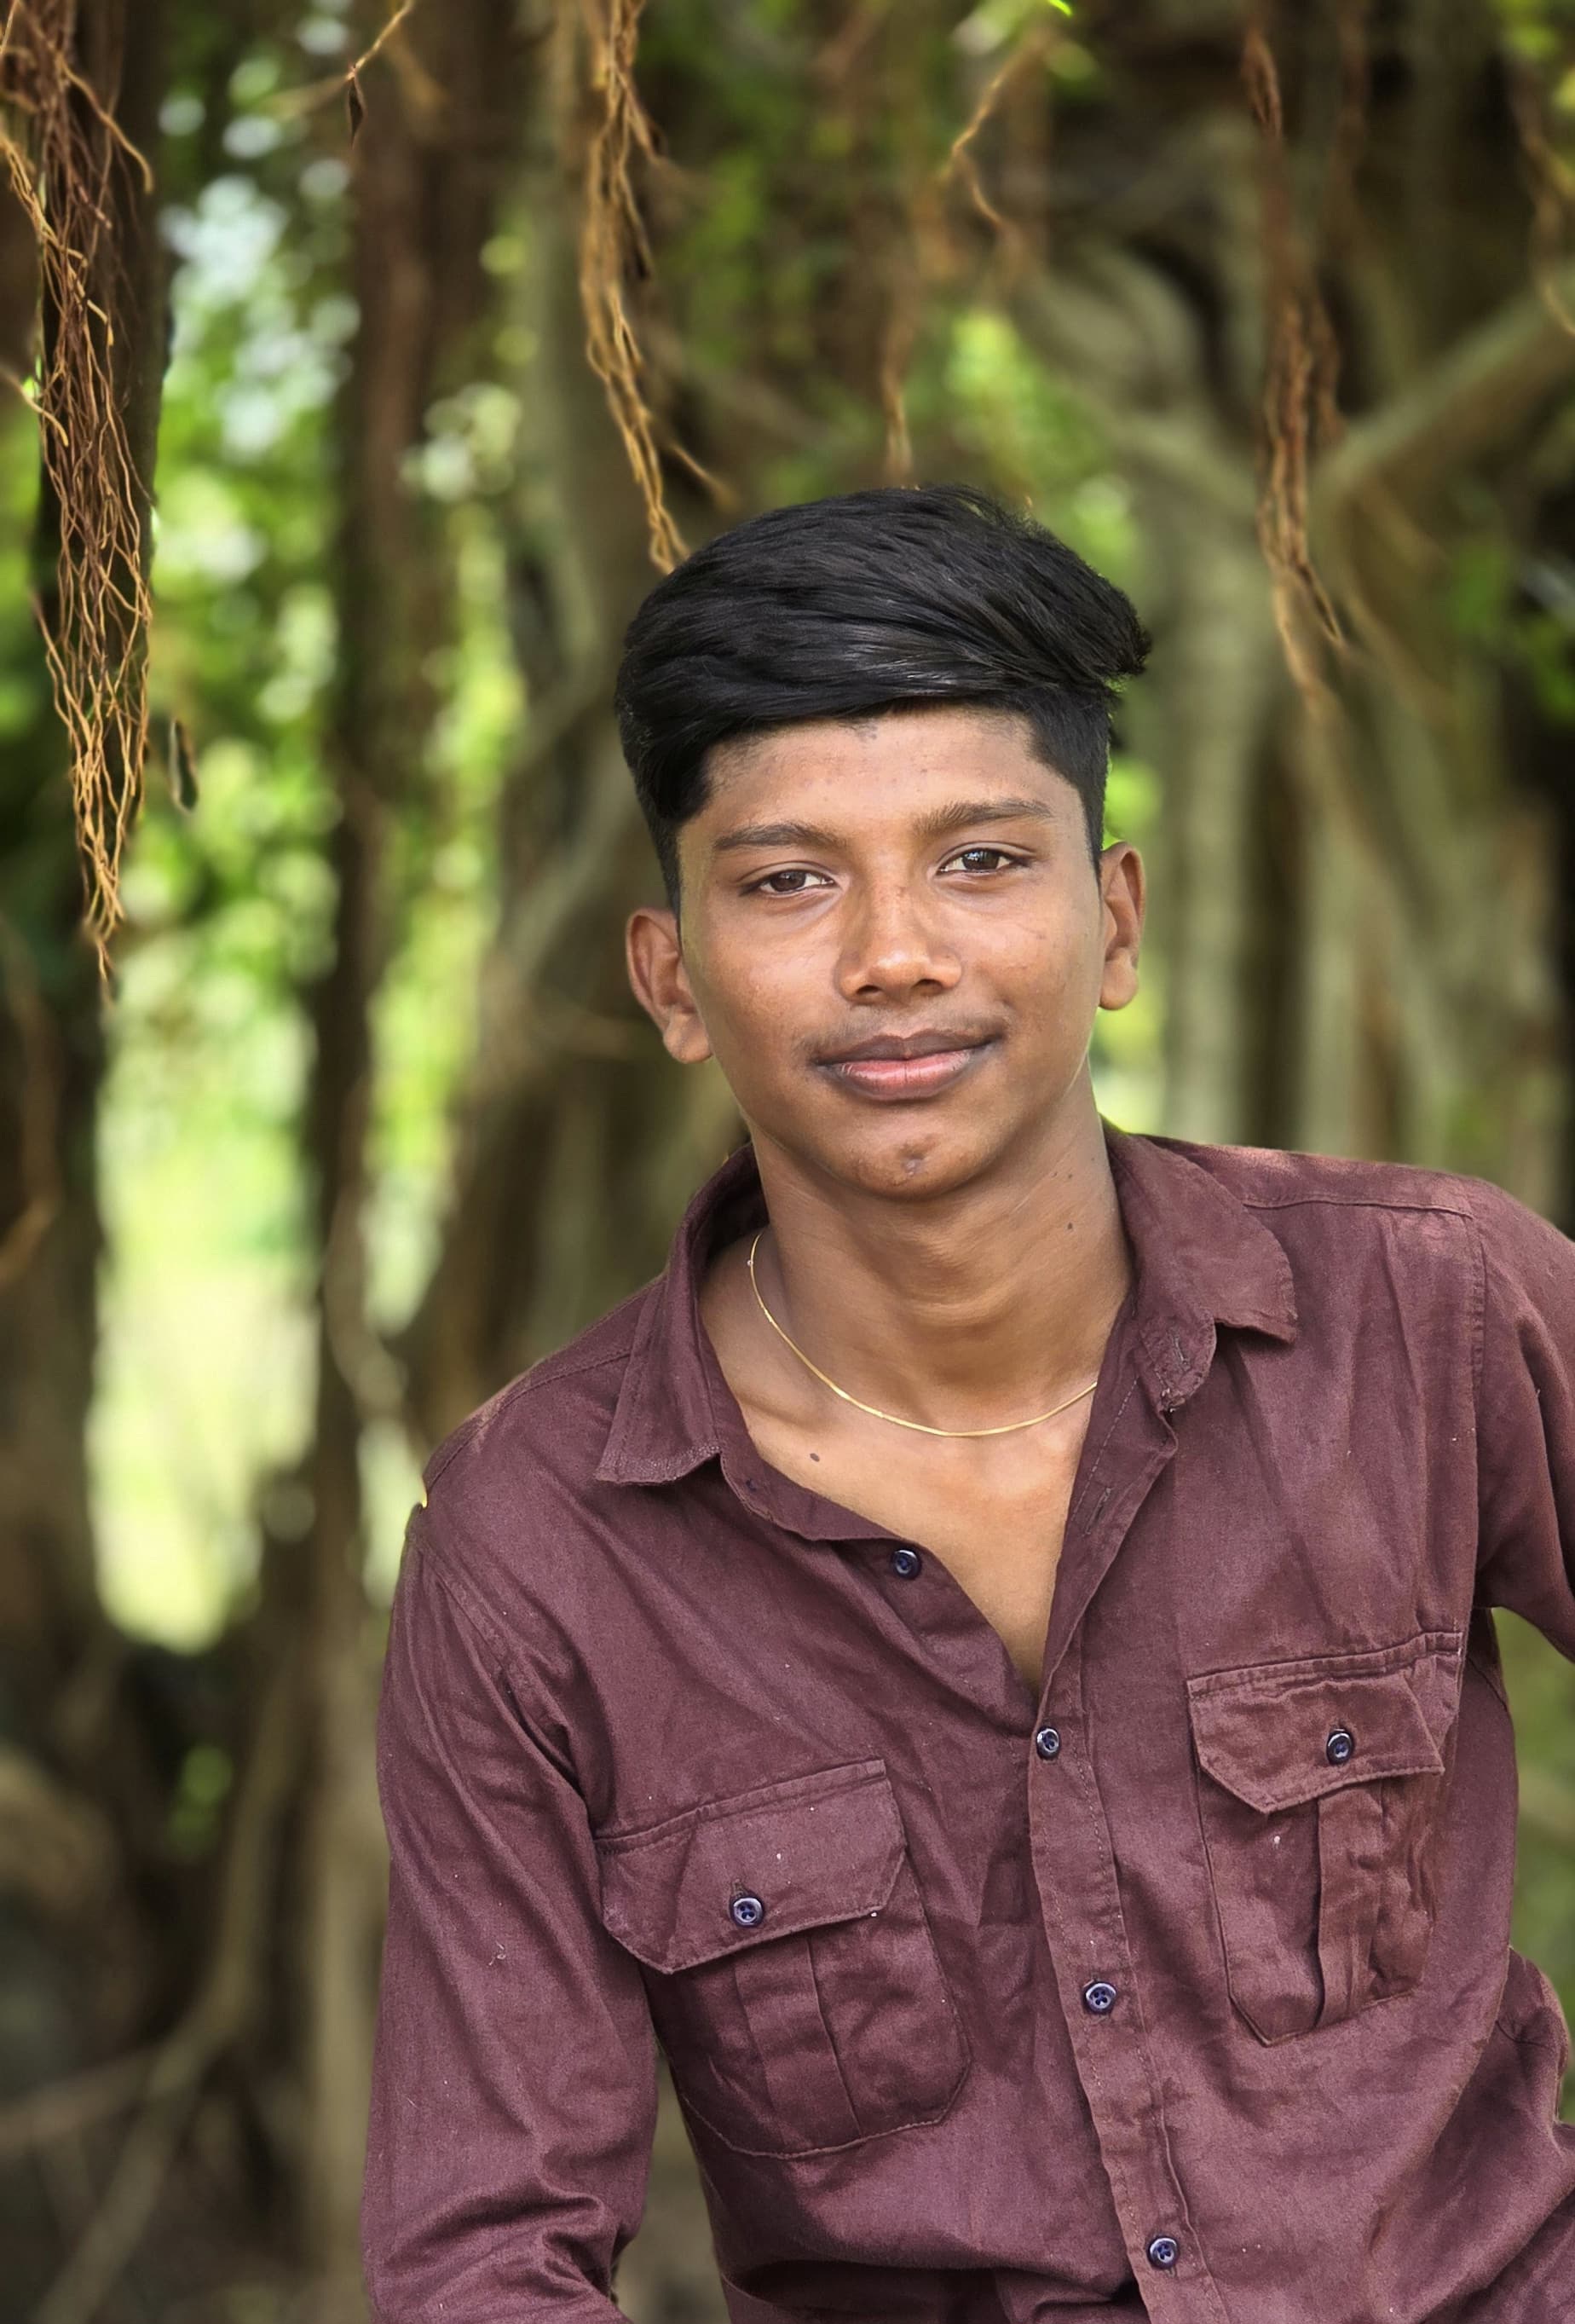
x=893, y=942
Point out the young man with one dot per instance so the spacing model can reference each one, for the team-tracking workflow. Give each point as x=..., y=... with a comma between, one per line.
x=990, y=1654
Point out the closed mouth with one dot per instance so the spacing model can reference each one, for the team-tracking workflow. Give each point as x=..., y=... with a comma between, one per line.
x=924, y=1067
x=900, y=1046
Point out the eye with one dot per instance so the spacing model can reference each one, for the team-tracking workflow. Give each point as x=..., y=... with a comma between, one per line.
x=985, y=859
x=796, y=873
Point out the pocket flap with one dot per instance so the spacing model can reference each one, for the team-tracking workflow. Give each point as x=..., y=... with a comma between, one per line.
x=819, y=1848
x=1263, y=1733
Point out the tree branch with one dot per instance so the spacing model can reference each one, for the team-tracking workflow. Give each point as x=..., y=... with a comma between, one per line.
x=1477, y=397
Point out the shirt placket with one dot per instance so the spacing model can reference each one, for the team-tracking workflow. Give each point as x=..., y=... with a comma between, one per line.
x=1074, y=1870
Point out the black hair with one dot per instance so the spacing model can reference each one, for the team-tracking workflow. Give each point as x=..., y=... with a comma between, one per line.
x=866, y=602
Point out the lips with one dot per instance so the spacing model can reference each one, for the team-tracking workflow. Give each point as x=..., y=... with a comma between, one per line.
x=910, y=1066
x=905, y=1044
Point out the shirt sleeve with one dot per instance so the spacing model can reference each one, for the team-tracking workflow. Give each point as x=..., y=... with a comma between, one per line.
x=1526, y=1416
x=514, y=2067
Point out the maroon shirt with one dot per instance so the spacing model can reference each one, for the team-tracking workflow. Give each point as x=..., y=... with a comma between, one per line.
x=1184, y=1990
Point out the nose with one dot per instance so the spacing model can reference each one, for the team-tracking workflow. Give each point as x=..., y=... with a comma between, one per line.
x=893, y=947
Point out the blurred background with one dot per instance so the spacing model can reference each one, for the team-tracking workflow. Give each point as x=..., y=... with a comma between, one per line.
x=402, y=375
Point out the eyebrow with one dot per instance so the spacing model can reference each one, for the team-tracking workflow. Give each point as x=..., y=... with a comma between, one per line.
x=957, y=815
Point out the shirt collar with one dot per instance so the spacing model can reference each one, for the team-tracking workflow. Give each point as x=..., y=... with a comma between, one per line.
x=1201, y=1256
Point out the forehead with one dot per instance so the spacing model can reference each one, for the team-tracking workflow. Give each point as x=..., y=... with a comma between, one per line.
x=881, y=763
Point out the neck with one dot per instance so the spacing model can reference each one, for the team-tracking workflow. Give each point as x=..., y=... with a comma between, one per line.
x=966, y=1308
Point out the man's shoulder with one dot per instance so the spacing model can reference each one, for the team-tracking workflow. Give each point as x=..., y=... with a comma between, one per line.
x=1271, y=1178
x=508, y=1506
x=1492, y=1226
x=551, y=1420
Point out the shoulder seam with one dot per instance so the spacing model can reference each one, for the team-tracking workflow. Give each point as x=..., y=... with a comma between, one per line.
x=1478, y=1330
x=1354, y=1202
x=464, y=1601
x=538, y=1377
x=503, y=1668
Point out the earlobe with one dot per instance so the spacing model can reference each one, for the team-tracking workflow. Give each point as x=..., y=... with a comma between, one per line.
x=660, y=984
x=1119, y=985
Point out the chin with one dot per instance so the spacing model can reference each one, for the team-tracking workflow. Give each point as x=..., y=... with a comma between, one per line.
x=914, y=1160
x=912, y=1169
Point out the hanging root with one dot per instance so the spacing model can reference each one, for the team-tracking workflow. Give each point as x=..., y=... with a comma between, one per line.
x=62, y=153
x=1034, y=48
x=613, y=247
x=1299, y=414
x=1550, y=184
x=898, y=338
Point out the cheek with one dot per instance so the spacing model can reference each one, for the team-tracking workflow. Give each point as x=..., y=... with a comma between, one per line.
x=1050, y=960
x=752, y=1009
x=765, y=1001
x=1050, y=974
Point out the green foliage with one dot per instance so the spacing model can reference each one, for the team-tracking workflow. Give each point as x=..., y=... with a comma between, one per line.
x=24, y=681
x=1034, y=436
x=1521, y=612
x=1541, y=1686
x=207, y=1776
x=1539, y=30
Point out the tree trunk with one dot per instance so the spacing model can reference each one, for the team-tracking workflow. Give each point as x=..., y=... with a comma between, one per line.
x=577, y=1139
x=80, y=1883
x=425, y=189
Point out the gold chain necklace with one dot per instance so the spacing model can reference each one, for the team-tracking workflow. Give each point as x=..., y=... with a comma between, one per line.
x=1007, y=1429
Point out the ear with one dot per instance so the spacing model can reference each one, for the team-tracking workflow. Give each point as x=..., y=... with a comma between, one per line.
x=660, y=982
x=1122, y=890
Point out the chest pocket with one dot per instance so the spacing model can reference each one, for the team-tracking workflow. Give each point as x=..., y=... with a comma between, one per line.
x=793, y=1979
x=1318, y=1788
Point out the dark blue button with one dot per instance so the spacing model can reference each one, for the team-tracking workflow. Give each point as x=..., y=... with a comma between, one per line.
x=747, y=1910
x=906, y=1561
x=1164, y=2252
x=1099, y=1998
x=1339, y=1747
x=1047, y=1742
